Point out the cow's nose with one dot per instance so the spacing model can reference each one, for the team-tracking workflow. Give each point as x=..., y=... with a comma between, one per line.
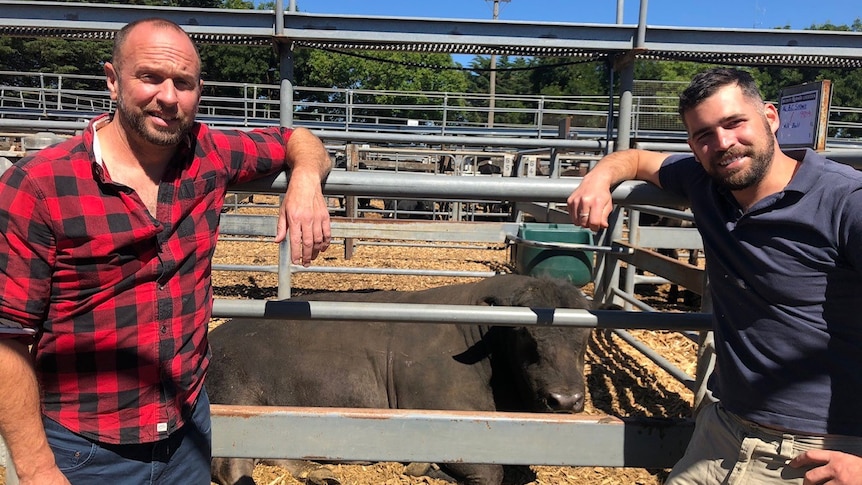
x=568, y=402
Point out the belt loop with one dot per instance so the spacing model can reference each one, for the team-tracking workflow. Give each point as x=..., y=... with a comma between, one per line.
x=785, y=449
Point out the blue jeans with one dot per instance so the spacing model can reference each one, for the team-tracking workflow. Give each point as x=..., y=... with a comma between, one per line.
x=182, y=458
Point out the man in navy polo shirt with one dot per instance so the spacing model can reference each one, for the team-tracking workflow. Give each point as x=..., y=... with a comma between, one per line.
x=782, y=234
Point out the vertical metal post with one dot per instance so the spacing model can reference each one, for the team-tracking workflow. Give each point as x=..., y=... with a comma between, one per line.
x=642, y=14
x=6, y=460
x=60, y=93
x=279, y=17
x=351, y=155
x=286, y=96
x=245, y=107
x=286, y=120
x=609, y=125
x=540, y=116
x=348, y=110
x=634, y=240
x=607, y=265
x=627, y=85
x=254, y=101
x=492, y=77
x=554, y=166
x=705, y=354
x=43, y=99
x=445, y=113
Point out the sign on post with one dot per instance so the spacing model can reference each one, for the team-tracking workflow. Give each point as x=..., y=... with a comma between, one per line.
x=803, y=115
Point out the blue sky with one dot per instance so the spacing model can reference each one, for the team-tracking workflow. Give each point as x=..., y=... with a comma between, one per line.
x=767, y=14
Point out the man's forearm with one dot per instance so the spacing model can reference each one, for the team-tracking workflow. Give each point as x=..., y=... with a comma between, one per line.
x=626, y=165
x=591, y=202
x=306, y=153
x=20, y=415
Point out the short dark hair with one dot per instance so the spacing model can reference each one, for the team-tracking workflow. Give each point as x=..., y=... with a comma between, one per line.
x=706, y=83
x=123, y=33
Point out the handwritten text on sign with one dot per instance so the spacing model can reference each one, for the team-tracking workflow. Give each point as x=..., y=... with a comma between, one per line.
x=798, y=119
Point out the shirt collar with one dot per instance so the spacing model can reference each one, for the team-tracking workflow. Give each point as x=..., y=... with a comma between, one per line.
x=100, y=121
x=810, y=168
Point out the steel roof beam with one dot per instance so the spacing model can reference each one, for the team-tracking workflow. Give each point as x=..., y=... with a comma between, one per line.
x=108, y=18
x=769, y=46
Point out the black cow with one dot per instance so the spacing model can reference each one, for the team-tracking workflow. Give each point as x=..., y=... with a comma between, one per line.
x=408, y=209
x=407, y=365
x=489, y=168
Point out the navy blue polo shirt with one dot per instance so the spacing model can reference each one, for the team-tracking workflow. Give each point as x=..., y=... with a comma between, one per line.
x=786, y=282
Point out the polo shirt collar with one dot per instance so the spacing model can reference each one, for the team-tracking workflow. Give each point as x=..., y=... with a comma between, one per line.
x=809, y=170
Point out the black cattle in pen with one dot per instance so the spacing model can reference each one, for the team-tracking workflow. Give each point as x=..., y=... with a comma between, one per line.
x=535, y=368
x=408, y=209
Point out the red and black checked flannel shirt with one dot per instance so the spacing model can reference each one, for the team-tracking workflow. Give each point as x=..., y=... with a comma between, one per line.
x=121, y=300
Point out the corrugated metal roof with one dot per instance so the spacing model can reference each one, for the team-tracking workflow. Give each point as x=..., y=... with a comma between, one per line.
x=527, y=51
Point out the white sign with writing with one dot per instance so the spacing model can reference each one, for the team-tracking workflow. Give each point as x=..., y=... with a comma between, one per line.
x=803, y=115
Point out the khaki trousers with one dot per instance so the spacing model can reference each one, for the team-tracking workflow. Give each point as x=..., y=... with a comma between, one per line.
x=728, y=450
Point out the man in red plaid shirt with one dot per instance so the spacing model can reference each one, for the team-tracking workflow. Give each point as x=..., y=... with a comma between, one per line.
x=106, y=242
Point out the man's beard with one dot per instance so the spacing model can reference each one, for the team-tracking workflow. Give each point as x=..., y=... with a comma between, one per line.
x=760, y=160
x=137, y=120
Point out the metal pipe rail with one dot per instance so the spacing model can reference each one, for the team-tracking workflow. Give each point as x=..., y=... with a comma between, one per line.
x=456, y=314
x=296, y=268
x=572, y=246
x=32, y=123
x=51, y=99
x=464, y=436
x=47, y=94
x=429, y=186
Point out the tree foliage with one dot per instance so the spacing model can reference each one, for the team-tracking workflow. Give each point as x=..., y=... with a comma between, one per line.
x=399, y=79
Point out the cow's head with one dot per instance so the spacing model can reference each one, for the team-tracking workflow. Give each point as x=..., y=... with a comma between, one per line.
x=538, y=368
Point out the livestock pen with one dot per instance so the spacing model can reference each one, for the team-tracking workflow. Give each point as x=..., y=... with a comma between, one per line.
x=389, y=446
x=606, y=439
x=612, y=440
x=615, y=441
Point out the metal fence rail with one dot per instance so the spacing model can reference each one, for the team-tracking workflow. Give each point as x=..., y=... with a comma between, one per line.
x=477, y=437
x=69, y=97
x=61, y=97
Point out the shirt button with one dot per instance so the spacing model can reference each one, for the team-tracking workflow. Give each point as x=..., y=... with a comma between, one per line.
x=164, y=329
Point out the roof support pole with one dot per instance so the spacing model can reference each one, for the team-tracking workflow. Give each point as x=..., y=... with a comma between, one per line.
x=285, y=51
x=627, y=82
